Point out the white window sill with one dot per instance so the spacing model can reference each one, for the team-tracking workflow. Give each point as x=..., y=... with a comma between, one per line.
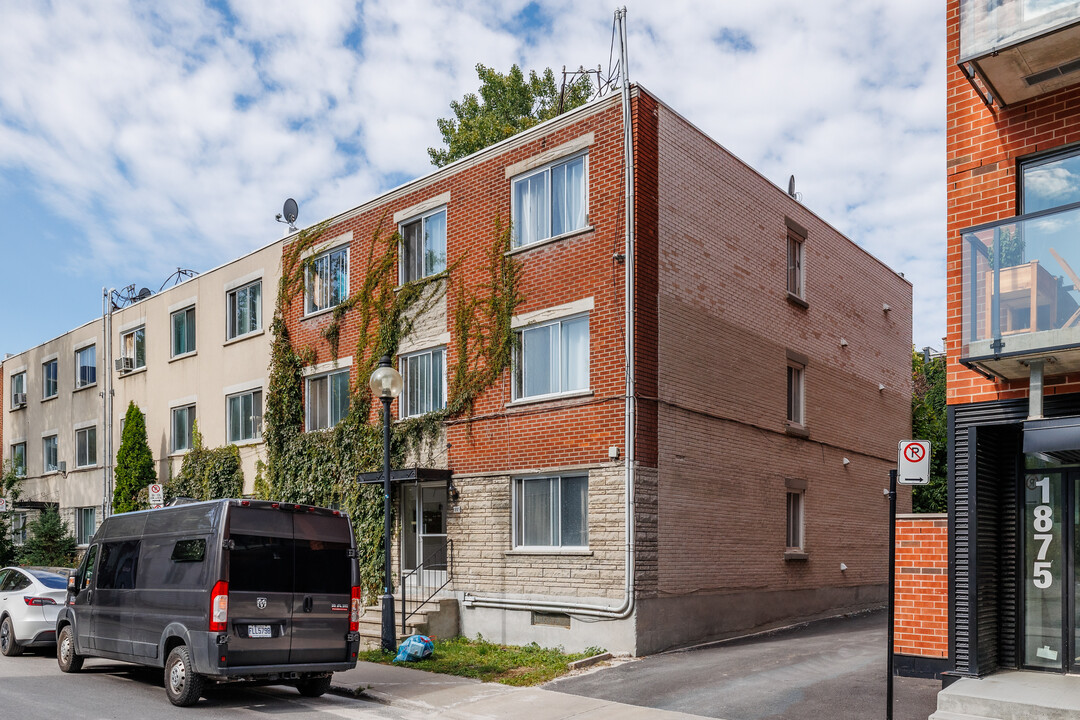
x=549, y=398
x=183, y=356
x=441, y=275
x=179, y=453
x=796, y=429
x=17, y=407
x=80, y=468
x=571, y=552
x=51, y=397
x=317, y=313
x=136, y=371
x=548, y=241
x=85, y=387
x=796, y=555
x=245, y=443
x=245, y=336
x=797, y=300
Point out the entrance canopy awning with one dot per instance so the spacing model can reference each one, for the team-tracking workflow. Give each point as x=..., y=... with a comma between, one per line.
x=415, y=474
x=1052, y=435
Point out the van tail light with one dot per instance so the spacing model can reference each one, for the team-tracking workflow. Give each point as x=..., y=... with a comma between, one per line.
x=354, y=610
x=219, y=607
x=38, y=601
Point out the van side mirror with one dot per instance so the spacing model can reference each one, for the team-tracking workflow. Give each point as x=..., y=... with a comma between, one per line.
x=72, y=587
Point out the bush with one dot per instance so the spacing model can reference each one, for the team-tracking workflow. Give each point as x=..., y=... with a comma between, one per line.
x=49, y=541
x=208, y=473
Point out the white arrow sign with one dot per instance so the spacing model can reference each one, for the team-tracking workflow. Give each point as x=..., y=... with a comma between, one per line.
x=913, y=462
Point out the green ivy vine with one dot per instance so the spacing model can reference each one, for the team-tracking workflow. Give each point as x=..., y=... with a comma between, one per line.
x=321, y=467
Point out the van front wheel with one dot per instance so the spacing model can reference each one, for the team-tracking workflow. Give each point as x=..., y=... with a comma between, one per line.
x=183, y=685
x=66, y=657
x=313, y=687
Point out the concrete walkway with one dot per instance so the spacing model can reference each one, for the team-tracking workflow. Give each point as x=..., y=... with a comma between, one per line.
x=447, y=696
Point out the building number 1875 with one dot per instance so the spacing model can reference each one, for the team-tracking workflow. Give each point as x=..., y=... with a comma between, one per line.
x=1043, y=522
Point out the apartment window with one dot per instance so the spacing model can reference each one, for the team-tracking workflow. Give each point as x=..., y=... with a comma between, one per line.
x=795, y=392
x=327, y=280
x=795, y=264
x=245, y=416
x=551, y=512
x=85, y=366
x=18, y=459
x=49, y=375
x=423, y=246
x=795, y=520
x=85, y=524
x=1050, y=181
x=552, y=358
x=18, y=390
x=18, y=528
x=550, y=201
x=183, y=331
x=49, y=460
x=425, y=382
x=245, y=310
x=183, y=428
x=133, y=348
x=86, y=447
x=327, y=400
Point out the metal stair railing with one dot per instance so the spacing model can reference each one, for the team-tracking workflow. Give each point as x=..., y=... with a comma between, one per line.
x=419, y=592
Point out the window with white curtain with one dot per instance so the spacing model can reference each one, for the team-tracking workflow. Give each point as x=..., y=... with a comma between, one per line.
x=245, y=310
x=49, y=452
x=183, y=428
x=85, y=366
x=423, y=246
x=86, y=447
x=327, y=400
x=551, y=512
x=183, y=331
x=425, y=382
x=550, y=201
x=85, y=524
x=327, y=280
x=552, y=358
x=133, y=346
x=244, y=416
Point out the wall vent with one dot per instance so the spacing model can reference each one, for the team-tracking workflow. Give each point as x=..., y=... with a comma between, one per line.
x=561, y=620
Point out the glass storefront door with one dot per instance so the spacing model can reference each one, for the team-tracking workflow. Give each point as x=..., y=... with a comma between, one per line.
x=424, y=534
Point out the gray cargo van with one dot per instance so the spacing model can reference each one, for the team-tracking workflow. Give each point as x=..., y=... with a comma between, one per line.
x=218, y=591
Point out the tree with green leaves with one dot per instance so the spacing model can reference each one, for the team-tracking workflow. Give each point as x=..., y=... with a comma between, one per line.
x=134, y=462
x=507, y=104
x=9, y=489
x=208, y=473
x=49, y=541
x=929, y=422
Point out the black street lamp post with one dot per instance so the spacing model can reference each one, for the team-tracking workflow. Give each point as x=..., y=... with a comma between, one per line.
x=386, y=384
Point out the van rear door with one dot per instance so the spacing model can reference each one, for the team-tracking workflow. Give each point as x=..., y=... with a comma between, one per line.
x=322, y=588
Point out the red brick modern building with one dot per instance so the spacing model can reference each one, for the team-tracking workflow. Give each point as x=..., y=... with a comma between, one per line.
x=1013, y=335
x=705, y=462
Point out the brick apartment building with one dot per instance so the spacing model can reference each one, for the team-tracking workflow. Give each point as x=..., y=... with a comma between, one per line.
x=770, y=359
x=1013, y=337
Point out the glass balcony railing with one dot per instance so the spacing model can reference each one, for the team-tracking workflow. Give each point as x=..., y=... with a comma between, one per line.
x=1021, y=290
x=1021, y=49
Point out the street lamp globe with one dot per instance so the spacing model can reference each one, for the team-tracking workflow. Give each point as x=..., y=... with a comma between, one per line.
x=386, y=382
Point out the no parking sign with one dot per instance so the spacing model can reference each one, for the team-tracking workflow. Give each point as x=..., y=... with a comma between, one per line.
x=157, y=496
x=913, y=462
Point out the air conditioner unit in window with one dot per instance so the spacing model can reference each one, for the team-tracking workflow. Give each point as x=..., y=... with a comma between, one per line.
x=125, y=364
x=18, y=400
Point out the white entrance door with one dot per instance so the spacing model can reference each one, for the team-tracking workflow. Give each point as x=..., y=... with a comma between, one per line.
x=424, y=535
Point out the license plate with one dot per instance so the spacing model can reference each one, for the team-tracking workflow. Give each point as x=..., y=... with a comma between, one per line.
x=259, y=631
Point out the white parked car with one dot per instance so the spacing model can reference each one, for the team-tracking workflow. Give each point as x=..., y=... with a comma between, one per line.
x=30, y=599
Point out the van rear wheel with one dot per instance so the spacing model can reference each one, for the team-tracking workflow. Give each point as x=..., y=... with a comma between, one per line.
x=66, y=657
x=183, y=685
x=313, y=687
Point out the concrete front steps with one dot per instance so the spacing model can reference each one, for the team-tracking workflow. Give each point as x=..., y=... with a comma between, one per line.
x=439, y=618
x=1011, y=695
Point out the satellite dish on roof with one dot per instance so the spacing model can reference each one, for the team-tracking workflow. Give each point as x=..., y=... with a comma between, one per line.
x=289, y=212
x=144, y=293
x=791, y=189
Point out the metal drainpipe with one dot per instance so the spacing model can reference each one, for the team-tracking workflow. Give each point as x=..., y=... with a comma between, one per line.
x=625, y=609
x=107, y=403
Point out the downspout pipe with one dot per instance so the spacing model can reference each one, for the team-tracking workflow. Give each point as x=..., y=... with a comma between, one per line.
x=106, y=401
x=626, y=608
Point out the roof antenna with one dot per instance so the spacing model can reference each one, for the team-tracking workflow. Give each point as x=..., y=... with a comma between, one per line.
x=289, y=212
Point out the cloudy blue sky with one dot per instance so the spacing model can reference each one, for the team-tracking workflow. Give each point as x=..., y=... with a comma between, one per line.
x=139, y=137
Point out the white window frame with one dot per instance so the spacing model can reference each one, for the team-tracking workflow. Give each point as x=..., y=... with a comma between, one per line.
x=518, y=376
x=79, y=381
x=422, y=219
x=407, y=397
x=190, y=409
x=545, y=170
x=796, y=393
x=84, y=525
x=90, y=447
x=309, y=419
x=18, y=528
x=796, y=264
x=18, y=385
x=555, y=519
x=55, y=364
x=254, y=310
x=45, y=467
x=188, y=316
x=795, y=520
x=134, y=334
x=256, y=417
x=19, y=471
x=325, y=290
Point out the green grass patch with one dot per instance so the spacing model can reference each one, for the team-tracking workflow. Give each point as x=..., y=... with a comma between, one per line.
x=480, y=659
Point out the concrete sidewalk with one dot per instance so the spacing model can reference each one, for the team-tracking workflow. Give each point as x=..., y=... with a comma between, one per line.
x=448, y=696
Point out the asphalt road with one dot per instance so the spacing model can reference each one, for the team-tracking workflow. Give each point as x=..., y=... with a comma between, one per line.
x=33, y=688
x=834, y=669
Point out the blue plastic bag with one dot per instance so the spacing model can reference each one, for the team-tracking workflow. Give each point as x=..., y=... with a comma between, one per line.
x=414, y=647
